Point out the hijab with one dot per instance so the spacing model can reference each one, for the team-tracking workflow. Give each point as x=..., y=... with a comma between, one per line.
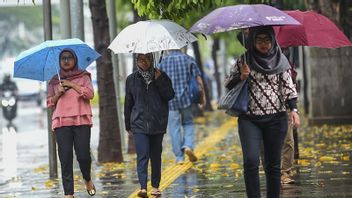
x=147, y=75
x=71, y=74
x=274, y=61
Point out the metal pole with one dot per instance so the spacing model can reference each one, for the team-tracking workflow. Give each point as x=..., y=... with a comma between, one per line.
x=77, y=21
x=65, y=19
x=51, y=138
x=112, y=31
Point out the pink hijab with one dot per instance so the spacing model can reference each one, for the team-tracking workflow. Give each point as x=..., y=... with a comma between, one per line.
x=69, y=75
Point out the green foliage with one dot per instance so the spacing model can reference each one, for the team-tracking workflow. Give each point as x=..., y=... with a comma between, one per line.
x=31, y=16
x=233, y=47
x=123, y=13
x=294, y=5
x=171, y=9
x=26, y=14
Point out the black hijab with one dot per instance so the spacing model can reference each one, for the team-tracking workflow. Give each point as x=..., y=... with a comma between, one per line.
x=272, y=63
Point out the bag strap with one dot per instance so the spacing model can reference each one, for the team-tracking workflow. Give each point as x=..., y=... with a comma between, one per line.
x=190, y=70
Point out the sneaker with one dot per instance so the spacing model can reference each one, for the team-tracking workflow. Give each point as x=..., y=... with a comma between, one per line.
x=286, y=179
x=190, y=154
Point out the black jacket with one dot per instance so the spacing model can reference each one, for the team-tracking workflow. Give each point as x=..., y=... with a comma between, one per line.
x=146, y=106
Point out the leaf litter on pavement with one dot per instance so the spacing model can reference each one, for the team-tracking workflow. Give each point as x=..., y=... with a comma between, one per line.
x=320, y=147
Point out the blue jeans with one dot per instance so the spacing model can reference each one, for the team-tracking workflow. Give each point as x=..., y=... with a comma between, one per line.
x=148, y=147
x=271, y=130
x=181, y=138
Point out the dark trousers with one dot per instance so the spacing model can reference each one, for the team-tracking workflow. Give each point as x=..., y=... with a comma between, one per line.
x=148, y=147
x=78, y=137
x=271, y=131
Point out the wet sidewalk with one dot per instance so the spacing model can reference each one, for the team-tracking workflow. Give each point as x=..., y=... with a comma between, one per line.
x=324, y=168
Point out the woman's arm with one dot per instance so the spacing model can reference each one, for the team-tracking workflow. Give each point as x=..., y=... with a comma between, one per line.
x=237, y=73
x=85, y=90
x=203, y=99
x=53, y=96
x=288, y=89
x=290, y=95
x=164, y=85
x=129, y=103
x=294, y=117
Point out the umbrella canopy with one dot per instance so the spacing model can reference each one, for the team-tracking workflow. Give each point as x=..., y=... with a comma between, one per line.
x=151, y=36
x=316, y=30
x=241, y=16
x=42, y=61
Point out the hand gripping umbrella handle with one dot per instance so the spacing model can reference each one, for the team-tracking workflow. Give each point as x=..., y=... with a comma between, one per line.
x=58, y=75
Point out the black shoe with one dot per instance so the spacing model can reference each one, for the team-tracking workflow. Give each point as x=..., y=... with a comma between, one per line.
x=92, y=191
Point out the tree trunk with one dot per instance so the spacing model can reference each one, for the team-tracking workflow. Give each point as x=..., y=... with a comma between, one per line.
x=134, y=62
x=109, y=149
x=200, y=65
x=346, y=17
x=329, y=8
x=214, y=50
x=136, y=18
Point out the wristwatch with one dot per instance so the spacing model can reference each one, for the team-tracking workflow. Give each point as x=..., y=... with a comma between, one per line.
x=295, y=110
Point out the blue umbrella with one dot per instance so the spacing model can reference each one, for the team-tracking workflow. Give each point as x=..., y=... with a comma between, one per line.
x=42, y=61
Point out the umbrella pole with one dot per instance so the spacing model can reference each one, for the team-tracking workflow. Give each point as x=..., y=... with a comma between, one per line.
x=161, y=56
x=244, y=44
x=58, y=75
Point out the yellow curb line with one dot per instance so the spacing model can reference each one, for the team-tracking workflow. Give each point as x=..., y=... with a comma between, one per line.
x=173, y=172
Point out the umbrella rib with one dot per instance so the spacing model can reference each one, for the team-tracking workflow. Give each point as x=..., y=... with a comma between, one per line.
x=46, y=59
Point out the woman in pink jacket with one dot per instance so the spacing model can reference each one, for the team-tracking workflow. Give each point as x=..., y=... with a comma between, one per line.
x=72, y=119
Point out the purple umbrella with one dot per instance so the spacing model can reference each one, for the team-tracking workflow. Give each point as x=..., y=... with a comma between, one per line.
x=241, y=16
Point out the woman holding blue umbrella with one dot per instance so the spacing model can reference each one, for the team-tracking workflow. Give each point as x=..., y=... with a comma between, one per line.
x=69, y=94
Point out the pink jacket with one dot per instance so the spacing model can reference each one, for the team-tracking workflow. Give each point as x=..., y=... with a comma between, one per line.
x=72, y=108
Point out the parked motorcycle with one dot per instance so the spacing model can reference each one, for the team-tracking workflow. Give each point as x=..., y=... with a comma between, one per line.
x=9, y=105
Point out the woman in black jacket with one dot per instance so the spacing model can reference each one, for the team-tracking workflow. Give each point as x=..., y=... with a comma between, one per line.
x=148, y=91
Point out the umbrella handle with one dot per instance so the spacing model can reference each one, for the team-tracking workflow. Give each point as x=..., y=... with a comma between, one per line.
x=58, y=75
x=244, y=44
x=161, y=56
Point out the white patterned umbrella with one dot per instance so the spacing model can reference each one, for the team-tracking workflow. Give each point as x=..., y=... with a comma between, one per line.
x=151, y=36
